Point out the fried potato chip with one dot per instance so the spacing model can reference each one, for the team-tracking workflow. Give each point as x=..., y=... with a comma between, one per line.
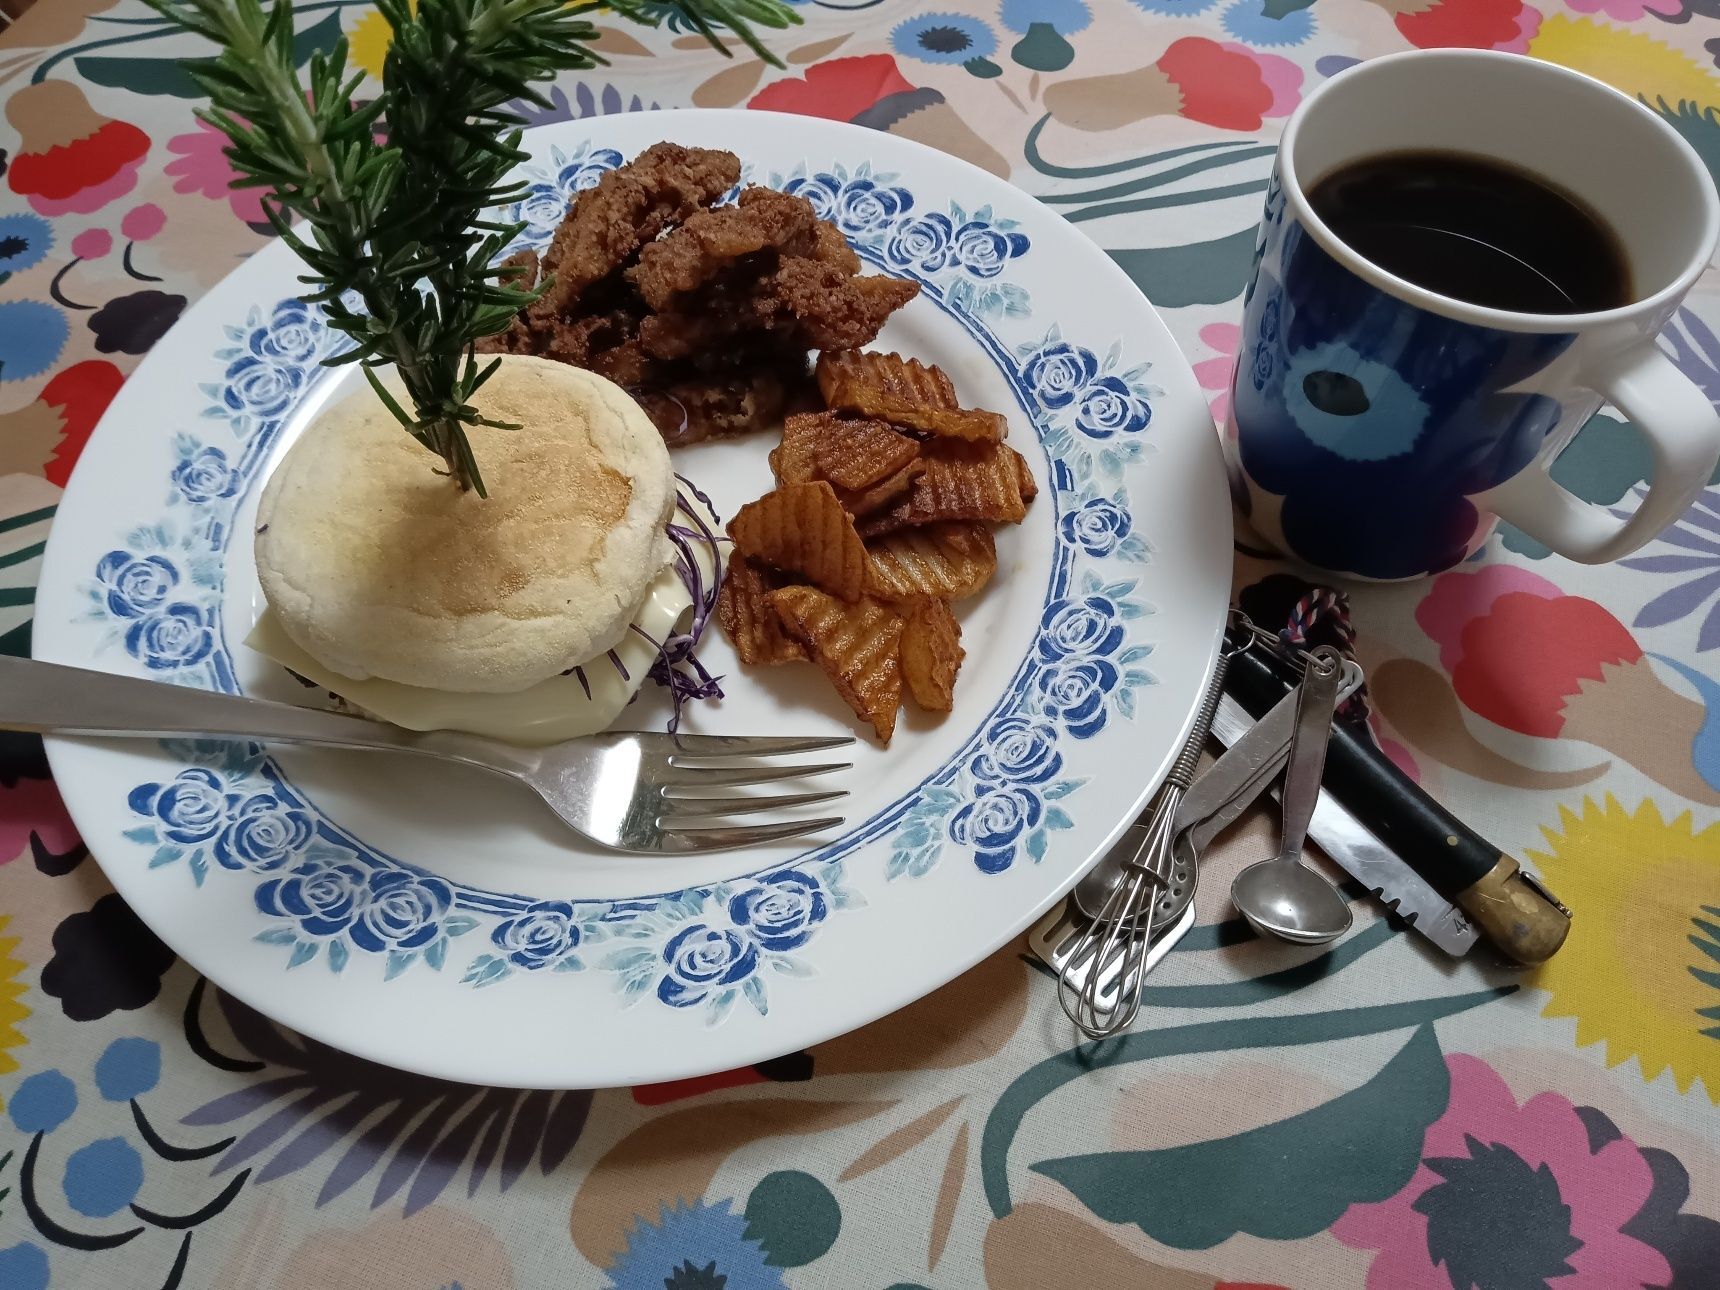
x=1024, y=476
x=857, y=454
x=856, y=645
x=904, y=392
x=802, y=528
x=932, y=653
x=750, y=622
x=946, y=561
x=795, y=459
x=882, y=494
x=850, y=379
x=852, y=454
x=945, y=423
x=961, y=481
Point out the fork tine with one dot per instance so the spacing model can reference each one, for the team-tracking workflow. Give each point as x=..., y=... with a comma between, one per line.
x=717, y=807
x=744, y=836
x=672, y=776
x=751, y=746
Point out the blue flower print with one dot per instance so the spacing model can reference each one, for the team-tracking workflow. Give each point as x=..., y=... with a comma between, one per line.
x=983, y=251
x=1111, y=406
x=128, y=1068
x=993, y=823
x=102, y=1178
x=402, y=911
x=1058, y=372
x=943, y=38
x=42, y=1102
x=1020, y=750
x=1267, y=26
x=261, y=388
x=863, y=206
x=192, y=808
x=204, y=476
x=923, y=243
x=712, y=1240
x=32, y=334
x=265, y=834
x=1097, y=527
x=136, y=584
x=1079, y=627
x=296, y=335
x=322, y=898
x=24, y=240
x=1065, y=17
x=821, y=190
x=1074, y=691
x=177, y=636
x=701, y=959
x=542, y=935
x=780, y=910
x=1352, y=406
x=24, y=1266
x=1174, y=8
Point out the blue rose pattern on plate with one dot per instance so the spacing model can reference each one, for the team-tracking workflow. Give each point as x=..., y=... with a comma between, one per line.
x=322, y=894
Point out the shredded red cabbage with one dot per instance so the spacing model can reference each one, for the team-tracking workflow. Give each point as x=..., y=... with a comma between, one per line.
x=677, y=668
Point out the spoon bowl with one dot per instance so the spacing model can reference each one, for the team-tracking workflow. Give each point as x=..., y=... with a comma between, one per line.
x=1283, y=897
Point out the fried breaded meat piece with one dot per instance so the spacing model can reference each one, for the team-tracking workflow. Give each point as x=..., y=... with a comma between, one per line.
x=693, y=254
x=628, y=208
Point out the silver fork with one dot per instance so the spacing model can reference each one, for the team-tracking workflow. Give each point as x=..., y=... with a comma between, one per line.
x=626, y=790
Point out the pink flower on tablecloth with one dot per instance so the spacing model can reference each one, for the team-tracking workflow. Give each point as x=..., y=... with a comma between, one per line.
x=1568, y=1195
x=1214, y=373
x=143, y=222
x=1282, y=77
x=1627, y=10
x=202, y=167
x=92, y=244
x=1457, y=599
x=33, y=806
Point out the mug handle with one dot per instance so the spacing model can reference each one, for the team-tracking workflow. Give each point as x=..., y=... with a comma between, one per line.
x=1683, y=432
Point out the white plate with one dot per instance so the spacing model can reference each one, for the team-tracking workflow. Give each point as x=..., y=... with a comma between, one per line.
x=440, y=921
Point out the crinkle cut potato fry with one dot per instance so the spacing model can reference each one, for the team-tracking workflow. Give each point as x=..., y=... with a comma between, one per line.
x=884, y=493
x=856, y=645
x=961, y=481
x=802, y=529
x=946, y=561
x=748, y=620
x=932, y=653
x=904, y=392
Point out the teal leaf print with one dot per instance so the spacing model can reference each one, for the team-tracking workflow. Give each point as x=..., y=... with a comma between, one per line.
x=1281, y=1181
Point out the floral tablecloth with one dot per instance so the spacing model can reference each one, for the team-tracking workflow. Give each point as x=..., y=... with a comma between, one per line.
x=1366, y=1114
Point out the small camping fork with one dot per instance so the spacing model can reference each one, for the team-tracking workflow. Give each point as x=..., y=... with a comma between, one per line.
x=625, y=790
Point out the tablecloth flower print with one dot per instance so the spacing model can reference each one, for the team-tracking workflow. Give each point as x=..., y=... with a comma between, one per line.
x=1354, y=1116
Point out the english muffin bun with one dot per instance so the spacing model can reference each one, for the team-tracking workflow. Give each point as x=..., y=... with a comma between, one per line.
x=378, y=567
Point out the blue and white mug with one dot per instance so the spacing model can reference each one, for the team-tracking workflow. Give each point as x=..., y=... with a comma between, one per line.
x=1463, y=409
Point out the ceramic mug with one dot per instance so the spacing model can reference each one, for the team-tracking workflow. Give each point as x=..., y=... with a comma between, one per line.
x=1463, y=408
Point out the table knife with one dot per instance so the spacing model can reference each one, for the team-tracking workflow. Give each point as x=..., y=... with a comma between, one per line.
x=1502, y=901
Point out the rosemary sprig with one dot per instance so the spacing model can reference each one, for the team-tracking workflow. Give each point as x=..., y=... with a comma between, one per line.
x=396, y=243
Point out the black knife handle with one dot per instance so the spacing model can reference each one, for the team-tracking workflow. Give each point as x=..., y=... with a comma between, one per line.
x=1519, y=916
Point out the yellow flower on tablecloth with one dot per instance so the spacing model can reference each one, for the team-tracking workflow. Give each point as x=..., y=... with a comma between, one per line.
x=1641, y=971
x=367, y=43
x=11, y=1011
x=1632, y=61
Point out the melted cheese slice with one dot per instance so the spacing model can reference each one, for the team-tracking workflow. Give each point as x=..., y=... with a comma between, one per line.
x=545, y=713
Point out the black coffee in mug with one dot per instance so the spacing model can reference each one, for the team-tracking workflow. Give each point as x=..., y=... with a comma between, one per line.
x=1476, y=230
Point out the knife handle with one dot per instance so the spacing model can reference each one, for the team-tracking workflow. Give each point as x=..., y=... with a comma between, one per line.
x=1510, y=907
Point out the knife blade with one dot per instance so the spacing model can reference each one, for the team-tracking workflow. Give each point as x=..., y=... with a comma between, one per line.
x=1360, y=854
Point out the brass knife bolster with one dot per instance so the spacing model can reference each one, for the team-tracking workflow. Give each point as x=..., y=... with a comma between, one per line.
x=1516, y=912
